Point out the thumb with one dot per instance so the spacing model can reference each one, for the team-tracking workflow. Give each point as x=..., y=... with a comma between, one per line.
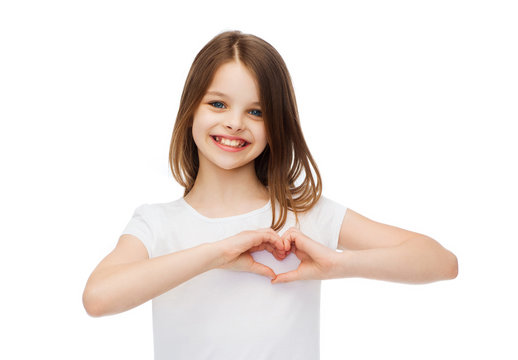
x=286, y=277
x=261, y=269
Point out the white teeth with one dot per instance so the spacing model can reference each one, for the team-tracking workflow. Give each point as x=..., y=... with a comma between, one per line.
x=233, y=143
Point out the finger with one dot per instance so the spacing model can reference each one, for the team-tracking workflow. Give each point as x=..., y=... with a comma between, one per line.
x=279, y=255
x=279, y=243
x=269, y=231
x=257, y=248
x=286, y=277
x=270, y=236
x=301, y=255
x=276, y=239
x=261, y=269
x=282, y=253
x=269, y=247
x=302, y=242
x=285, y=243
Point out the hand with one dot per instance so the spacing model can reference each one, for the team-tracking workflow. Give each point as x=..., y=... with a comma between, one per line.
x=236, y=250
x=317, y=260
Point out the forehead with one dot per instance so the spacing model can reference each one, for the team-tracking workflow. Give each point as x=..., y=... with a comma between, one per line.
x=234, y=80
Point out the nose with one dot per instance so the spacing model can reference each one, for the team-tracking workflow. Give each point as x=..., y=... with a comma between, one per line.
x=234, y=121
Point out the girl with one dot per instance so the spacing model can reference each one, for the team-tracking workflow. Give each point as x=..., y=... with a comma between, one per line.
x=234, y=266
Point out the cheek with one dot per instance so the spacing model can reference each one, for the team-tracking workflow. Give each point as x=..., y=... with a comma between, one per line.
x=260, y=135
x=195, y=132
x=200, y=127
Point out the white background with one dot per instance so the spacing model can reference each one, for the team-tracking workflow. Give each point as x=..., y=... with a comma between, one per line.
x=408, y=107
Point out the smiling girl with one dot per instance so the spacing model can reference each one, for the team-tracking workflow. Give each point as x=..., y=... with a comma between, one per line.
x=234, y=266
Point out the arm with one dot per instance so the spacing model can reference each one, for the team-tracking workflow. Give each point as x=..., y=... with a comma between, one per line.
x=378, y=251
x=370, y=250
x=127, y=277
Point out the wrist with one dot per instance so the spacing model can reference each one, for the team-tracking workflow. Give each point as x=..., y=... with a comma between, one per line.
x=215, y=254
x=342, y=264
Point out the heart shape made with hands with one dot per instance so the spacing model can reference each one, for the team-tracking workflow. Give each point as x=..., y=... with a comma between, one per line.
x=315, y=260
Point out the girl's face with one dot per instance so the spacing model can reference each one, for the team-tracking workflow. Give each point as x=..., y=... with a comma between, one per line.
x=228, y=127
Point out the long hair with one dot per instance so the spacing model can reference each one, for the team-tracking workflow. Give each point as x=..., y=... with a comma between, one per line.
x=286, y=155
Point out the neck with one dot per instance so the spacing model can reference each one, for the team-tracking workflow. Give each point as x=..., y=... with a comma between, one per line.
x=214, y=185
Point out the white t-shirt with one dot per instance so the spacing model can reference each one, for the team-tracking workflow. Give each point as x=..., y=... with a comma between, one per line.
x=224, y=314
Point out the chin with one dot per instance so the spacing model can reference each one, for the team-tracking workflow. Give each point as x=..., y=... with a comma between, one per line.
x=230, y=167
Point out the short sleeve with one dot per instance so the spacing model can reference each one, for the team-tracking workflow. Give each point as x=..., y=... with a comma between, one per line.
x=141, y=227
x=331, y=216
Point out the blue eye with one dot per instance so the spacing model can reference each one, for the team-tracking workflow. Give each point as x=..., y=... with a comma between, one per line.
x=217, y=104
x=256, y=112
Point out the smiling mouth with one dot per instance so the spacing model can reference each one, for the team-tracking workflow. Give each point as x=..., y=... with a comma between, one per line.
x=231, y=143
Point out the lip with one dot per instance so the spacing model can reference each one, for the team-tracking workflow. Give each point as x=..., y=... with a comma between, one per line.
x=229, y=148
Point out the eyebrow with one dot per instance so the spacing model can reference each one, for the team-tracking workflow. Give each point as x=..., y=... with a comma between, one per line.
x=217, y=93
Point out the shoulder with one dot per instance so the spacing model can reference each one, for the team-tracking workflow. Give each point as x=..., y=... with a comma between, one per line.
x=326, y=206
x=159, y=209
x=323, y=220
x=156, y=215
x=150, y=221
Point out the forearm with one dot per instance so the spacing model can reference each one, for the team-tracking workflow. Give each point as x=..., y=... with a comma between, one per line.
x=124, y=286
x=415, y=261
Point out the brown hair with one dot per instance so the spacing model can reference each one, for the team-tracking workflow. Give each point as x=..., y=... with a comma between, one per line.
x=285, y=155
